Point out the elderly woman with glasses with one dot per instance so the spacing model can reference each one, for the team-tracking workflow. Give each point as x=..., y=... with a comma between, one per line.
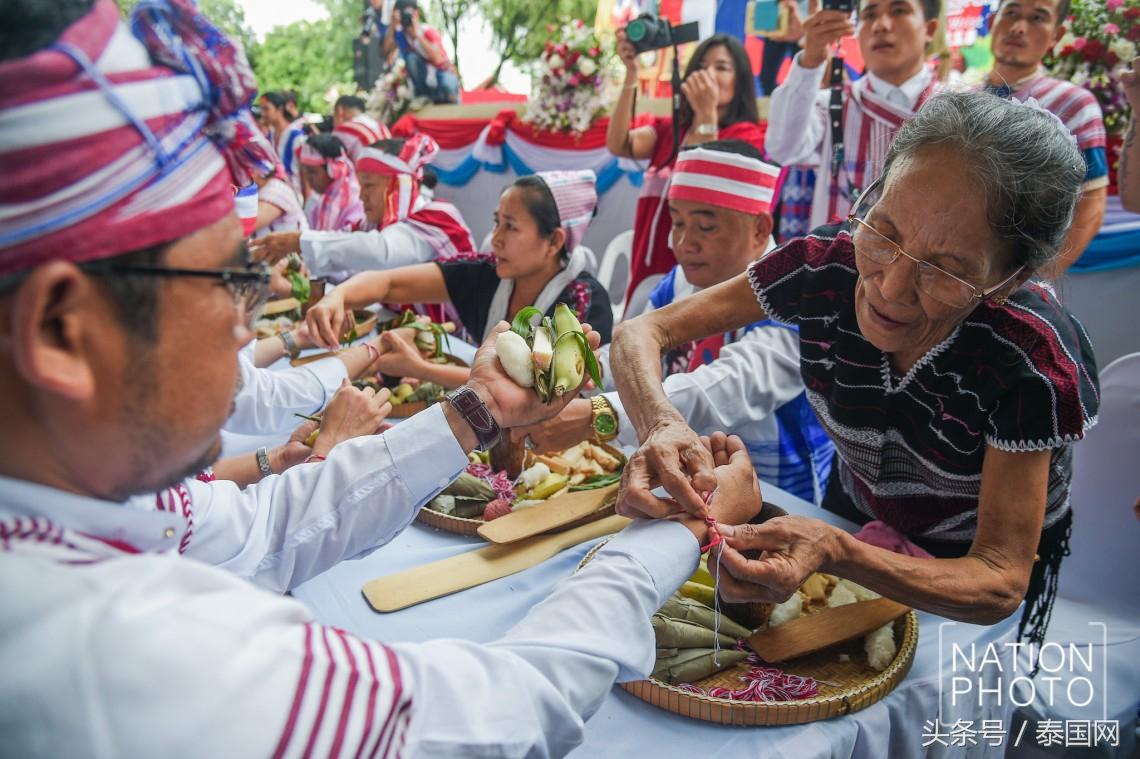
x=952, y=383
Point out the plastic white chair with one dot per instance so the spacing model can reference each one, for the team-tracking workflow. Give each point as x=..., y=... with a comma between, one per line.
x=639, y=300
x=1106, y=483
x=613, y=270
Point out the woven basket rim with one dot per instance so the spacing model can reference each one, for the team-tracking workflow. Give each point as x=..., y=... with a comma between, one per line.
x=884, y=682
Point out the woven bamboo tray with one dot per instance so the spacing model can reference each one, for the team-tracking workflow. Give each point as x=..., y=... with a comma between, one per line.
x=844, y=687
x=464, y=526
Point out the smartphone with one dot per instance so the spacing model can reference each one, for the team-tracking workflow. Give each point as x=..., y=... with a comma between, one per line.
x=847, y=6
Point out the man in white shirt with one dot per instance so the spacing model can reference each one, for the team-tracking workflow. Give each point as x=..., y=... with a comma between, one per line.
x=747, y=381
x=130, y=624
x=893, y=35
x=402, y=224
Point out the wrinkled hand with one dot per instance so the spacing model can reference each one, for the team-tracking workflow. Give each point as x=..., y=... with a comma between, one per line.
x=511, y=405
x=326, y=321
x=673, y=457
x=627, y=53
x=792, y=549
x=274, y=246
x=351, y=413
x=736, y=499
x=701, y=90
x=399, y=356
x=737, y=496
x=1130, y=79
x=573, y=424
x=821, y=30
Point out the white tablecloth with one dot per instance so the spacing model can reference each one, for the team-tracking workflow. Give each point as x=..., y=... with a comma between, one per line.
x=626, y=726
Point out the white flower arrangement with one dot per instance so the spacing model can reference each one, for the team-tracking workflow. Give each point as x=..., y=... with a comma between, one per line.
x=569, y=94
x=392, y=95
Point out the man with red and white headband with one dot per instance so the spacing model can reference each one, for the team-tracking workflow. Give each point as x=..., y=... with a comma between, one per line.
x=402, y=225
x=132, y=630
x=746, y=381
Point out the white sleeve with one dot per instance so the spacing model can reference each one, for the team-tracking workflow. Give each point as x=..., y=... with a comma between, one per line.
x=752, y=378
x=797, y=117
x=329, y=253
x=530, y=693
x=290, y=527
x=268, y=399
x=203, y=665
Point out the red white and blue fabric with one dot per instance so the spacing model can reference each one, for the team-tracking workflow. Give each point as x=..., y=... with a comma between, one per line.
x=288, y=147
x=339, y=208
x=114, y=142
x=245, y=203
x=360, y=133
x=468, y=146
x=726, y=180
x=576, y=199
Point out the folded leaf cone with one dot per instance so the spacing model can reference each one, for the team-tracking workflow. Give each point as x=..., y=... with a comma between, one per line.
x=693, y=664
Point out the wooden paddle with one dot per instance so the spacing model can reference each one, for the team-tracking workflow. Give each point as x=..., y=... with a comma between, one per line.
x=555, y=513
x=813, y=632
x=467, y=570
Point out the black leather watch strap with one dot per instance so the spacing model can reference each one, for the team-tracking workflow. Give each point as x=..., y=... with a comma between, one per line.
x=471, y=407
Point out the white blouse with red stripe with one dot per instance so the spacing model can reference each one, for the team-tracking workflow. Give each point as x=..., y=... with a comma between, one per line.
x=131, y=630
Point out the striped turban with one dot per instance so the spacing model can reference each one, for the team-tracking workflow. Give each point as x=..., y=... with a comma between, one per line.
x=406, y=170
x=359, y=133
x=576, y=196
x=728, y=180
x=115, y=139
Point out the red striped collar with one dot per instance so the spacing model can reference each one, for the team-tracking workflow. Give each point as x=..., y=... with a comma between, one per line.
x=135, y=525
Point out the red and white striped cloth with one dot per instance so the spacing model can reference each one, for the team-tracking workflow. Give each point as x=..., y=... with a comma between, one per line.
x=1076, y=107
x=576, y=197
x=406, y=170
x=103, y=141
x=358, y=134
x=728, y=180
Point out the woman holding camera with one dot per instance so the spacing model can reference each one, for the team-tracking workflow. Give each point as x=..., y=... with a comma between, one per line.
x=718, y=103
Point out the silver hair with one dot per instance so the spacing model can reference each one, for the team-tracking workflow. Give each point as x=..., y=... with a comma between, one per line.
x=1026, y=162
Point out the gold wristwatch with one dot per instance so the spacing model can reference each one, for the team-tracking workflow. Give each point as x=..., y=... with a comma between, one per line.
x=605, y=422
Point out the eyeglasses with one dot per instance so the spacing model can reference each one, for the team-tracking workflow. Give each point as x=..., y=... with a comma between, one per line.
x=249, y=287
x=939, y=284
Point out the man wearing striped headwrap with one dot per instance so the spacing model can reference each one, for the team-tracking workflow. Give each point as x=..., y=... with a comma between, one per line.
x=402, y=226
x=746, y=381
x=132, y=625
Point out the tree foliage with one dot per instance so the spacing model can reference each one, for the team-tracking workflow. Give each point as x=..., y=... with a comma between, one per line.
x=310, y=57
x=519, y=28
x=451, y=15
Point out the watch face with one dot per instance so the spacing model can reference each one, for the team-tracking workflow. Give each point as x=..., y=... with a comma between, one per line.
x=605, y=424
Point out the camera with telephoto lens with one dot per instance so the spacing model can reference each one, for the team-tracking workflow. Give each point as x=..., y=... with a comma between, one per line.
x=648, y=32
x=405, y=19
x=847, y=6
